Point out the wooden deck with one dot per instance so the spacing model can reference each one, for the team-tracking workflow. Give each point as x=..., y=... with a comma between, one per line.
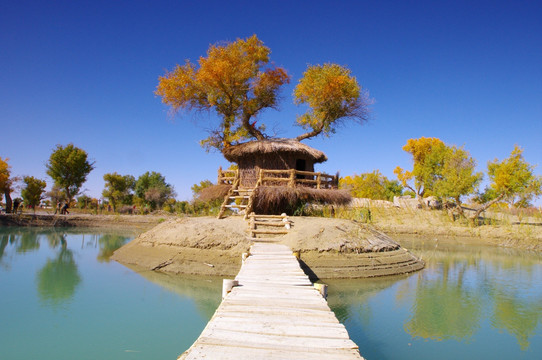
x=274, y=313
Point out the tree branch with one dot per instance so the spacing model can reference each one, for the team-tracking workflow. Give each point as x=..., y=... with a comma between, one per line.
x=252, y=130
x=485, y=207
x=315, y=132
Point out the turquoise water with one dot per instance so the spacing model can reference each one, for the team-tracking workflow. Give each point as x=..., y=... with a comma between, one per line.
x=61, y=297
x=468, y=303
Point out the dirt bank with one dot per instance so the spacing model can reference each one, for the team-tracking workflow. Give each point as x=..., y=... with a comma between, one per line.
x=330, y=248
x=526, y=235
x=142, y=222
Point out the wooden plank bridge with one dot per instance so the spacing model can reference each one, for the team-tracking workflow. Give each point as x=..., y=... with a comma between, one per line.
x=273, y=312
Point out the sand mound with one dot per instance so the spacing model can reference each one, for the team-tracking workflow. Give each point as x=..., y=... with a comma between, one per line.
x=330, y=248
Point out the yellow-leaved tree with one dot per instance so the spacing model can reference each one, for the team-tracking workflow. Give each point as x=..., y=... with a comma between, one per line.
x=6, y=183
x=447, y=172
x=238, y=81
x=423, y=166
x=512, y=180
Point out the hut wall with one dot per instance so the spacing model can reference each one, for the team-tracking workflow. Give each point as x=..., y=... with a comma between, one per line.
x=249, y=166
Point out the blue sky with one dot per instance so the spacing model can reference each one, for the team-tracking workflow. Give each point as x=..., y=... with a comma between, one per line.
x=84, y=72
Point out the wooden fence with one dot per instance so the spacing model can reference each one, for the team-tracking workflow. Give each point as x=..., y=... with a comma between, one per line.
x=291, y=178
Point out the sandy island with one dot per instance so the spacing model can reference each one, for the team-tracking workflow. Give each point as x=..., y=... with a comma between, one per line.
x=330, y=248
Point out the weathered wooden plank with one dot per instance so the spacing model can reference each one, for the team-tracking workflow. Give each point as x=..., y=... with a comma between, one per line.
x=217, y=352
x=234, y=310
x=280, y=318
x=292, y=343
x=257, y=326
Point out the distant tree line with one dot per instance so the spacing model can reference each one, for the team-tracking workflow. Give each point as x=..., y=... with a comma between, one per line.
x=68, y=166
x=448, y=173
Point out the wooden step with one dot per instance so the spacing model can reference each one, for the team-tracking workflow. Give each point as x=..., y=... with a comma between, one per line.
x=235, y=206
x=272, y=239
x=264, y=231
x=267, y=216
x=239, y=197
x=265, y=223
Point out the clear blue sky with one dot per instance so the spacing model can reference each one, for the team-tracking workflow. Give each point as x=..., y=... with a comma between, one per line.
x=467, y=72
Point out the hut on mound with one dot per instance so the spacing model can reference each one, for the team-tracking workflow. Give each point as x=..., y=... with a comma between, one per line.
x=275, y=176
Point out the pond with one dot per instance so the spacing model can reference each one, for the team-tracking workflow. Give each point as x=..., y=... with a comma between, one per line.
x=62, y=298
x=470, y=301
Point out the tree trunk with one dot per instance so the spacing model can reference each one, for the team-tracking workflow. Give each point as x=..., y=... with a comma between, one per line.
x=484, y=207
x=459, y=208
x=9, y=203
x=251, y=128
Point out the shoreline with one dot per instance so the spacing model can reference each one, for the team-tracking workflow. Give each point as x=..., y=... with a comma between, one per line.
x=330, y=248
x=140, y=222
x=520, y=236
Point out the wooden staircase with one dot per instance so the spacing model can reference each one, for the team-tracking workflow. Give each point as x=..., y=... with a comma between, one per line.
x=261, y=228
x=267, y=228
x=238, y=198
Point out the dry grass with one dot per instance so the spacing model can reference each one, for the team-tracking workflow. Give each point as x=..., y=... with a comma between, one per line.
x=214, y=192
x=278, y=199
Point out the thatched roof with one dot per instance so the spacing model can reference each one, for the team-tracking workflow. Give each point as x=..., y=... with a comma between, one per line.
x=269, y=146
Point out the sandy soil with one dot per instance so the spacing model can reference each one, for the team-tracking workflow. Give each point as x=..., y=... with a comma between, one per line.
x=330, y=248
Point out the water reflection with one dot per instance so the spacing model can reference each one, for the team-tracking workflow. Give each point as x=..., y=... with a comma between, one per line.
x=108, y=244
x=464, y=293
x=58, y=290
x=58, y=279
x=22, y=241
x=206, y=292
x=460, y=284
x=445, y=306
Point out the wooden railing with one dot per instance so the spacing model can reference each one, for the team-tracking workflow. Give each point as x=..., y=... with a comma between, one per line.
x=295, y=178
x=290, y=178
x=227, y=177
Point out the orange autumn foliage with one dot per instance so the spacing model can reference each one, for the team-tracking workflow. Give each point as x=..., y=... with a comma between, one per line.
x=238, y=81
x=235, y=80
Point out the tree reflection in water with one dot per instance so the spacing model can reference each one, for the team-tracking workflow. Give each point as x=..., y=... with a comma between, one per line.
x=108, y=244
x=58, y=279
x=464, y=293
x=444, y=306
x=458, y=289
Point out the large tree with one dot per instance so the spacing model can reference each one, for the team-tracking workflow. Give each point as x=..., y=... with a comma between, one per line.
x=424, y=170
x=33, y=190
x=69, y=166
x=512, y=180
x=118, y=189
x=447, y=172
x=457, y=175
x=5, y=186
x=7, y=183
x=372, y=185
x=238, y=81
x=152, y=189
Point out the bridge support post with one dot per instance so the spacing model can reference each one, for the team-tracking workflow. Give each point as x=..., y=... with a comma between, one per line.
x=227, y=285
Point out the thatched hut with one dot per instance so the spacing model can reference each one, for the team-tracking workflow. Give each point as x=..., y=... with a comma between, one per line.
x=272, y=154
x=275, y=176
